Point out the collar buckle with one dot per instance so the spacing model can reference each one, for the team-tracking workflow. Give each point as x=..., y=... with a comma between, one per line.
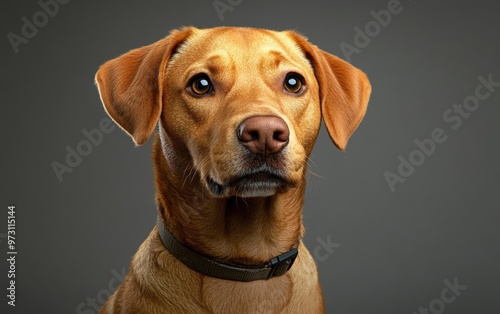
x=282, y=263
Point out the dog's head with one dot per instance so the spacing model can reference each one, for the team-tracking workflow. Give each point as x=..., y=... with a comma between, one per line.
x=241, y=107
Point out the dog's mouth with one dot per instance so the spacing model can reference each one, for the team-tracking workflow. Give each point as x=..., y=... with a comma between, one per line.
x=261, y=182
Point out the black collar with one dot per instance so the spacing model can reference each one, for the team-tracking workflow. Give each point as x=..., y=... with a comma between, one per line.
x=206, y=265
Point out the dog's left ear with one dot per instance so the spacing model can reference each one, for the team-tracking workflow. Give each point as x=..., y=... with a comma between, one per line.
x=343, y=89
x=131, y=85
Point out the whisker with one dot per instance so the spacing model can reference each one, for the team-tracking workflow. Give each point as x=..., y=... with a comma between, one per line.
x=309, y=170
x=310, y=160
x=315, y=174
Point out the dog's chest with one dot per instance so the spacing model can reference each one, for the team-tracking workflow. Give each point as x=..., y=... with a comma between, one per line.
x=222, y=296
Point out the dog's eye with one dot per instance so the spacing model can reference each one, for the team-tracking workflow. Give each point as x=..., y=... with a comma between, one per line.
x=201, y=85
x=293, y=83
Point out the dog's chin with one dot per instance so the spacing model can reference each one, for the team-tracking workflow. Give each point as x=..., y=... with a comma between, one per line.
x=260, y=184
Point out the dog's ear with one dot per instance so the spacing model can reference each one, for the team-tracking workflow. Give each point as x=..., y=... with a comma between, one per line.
x=131, y=85
x=343, y=89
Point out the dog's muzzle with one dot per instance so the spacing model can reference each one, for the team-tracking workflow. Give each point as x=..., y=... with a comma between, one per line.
x=263, y=139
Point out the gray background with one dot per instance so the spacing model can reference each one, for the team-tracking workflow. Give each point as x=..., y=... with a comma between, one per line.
x=393, y=250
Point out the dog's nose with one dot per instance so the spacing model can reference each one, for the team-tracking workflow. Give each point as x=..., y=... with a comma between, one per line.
x=263, y=135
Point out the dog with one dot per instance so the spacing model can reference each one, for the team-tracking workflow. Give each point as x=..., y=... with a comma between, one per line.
x=238, y=111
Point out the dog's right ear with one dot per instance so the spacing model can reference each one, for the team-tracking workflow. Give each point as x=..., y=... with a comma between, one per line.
x=131, y=85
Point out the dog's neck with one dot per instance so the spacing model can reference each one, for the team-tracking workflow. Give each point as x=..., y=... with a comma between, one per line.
x=238, y=230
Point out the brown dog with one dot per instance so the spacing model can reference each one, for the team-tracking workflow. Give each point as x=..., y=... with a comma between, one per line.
x=238, y=111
